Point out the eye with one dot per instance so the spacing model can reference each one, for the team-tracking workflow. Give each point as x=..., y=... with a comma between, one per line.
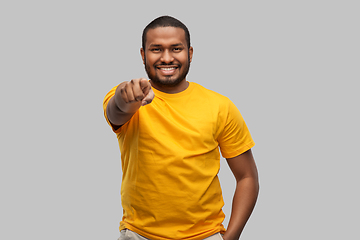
x=155, y=49
x=177, y=49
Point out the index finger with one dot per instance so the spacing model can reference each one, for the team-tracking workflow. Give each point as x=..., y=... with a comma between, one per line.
x=145, y=85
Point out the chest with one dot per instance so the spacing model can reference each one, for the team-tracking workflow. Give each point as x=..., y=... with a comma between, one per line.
x=188, y=125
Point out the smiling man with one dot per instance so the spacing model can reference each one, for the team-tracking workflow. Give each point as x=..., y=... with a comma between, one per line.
x=170, y=132
x=167, y=58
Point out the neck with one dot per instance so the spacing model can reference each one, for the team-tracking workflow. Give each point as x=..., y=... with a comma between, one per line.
x=183, y=85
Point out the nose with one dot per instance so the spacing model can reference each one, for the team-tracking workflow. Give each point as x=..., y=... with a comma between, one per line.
x=167, y=57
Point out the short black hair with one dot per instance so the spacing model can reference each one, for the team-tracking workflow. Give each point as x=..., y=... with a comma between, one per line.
x=165, y=21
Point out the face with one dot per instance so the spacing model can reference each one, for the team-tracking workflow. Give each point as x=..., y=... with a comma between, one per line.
x=166, y=57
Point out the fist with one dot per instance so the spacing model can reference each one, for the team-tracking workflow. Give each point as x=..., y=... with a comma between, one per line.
x=137, y=90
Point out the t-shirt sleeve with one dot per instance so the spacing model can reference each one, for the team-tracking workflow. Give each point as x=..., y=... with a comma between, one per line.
x=235, y=138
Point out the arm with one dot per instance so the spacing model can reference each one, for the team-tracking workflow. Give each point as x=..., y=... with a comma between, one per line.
x=246, y=192
x=128, y=98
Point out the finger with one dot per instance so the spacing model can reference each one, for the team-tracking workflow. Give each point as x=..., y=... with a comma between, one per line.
x=148, y=98
x=145, y=85
x=123, y=94
x=129, y=92
x=136, y=89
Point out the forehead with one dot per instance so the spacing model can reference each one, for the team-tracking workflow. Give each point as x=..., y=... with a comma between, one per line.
x=165, y=35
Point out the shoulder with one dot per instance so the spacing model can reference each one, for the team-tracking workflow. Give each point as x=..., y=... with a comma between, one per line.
x=213, y=102
x=210, y=94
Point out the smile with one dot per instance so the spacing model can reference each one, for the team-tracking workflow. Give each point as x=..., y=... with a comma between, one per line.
x=168, y=69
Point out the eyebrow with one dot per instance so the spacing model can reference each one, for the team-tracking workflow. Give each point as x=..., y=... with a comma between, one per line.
x=172, y=45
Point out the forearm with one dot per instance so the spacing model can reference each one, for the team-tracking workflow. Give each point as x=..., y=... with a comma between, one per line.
x=244, y=200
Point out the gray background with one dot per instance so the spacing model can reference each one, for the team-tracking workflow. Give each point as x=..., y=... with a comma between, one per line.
x=291, y=67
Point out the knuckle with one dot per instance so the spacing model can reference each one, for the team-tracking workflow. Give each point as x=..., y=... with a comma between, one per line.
x=139, y=97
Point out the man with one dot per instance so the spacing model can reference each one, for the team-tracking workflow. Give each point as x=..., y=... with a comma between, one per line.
x=169, y=132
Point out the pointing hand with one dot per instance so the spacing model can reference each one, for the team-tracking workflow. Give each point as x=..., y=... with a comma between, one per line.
x=137, y=90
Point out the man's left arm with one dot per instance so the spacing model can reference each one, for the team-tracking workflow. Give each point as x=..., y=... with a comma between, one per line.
x=246, y=192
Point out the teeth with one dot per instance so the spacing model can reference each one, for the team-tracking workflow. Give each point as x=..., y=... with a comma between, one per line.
x=167, y=69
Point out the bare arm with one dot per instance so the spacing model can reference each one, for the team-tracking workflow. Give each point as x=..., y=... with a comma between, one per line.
x=246, y=192
x=128, y=98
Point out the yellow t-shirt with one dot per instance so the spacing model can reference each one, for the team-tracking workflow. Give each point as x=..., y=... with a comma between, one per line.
x=170, y=160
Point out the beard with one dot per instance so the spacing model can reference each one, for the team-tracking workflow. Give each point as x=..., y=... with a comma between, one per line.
x=168, y=81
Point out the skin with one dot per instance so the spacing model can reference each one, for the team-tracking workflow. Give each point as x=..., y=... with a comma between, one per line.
x=167, y=58
x=246, y=192
x=166, y=47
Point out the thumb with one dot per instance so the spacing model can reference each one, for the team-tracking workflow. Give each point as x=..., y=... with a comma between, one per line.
x=145, y=85
x=148, y=98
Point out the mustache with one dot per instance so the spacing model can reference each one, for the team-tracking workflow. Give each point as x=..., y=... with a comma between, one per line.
x=167, y=64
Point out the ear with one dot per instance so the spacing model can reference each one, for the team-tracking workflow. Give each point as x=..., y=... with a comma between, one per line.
x=142, y=52
x=191, y=50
